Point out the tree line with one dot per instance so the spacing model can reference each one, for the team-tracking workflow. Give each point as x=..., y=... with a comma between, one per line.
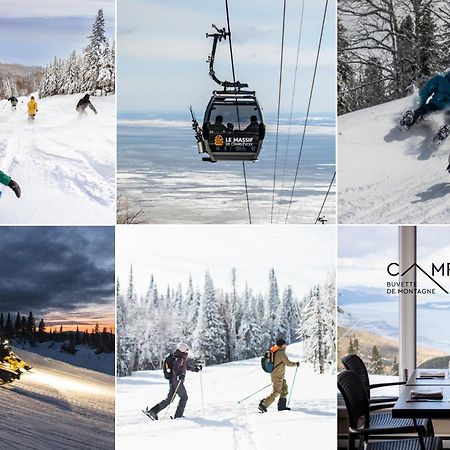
x=389, y=48
x=25, y=329
x=222, y=325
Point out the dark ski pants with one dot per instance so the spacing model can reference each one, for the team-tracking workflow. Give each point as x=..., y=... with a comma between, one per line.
x=181, y=392
x=424, y=111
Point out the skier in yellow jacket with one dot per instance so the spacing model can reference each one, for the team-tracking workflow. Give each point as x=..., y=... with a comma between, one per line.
x=32, y=108
x=279, y=385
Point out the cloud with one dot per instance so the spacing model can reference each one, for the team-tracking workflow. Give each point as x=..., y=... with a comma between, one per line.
x=55, y=8
x=50, y=268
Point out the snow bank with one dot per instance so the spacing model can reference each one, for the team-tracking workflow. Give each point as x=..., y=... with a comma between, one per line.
x=386, y=176
x=223, y=422
x=64, y=164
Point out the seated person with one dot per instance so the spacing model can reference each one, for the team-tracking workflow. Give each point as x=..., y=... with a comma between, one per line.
x=218, y=125
x=230, y=126
x=254, y=125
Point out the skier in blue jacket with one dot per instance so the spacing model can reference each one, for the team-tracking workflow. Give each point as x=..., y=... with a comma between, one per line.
x=434, y=96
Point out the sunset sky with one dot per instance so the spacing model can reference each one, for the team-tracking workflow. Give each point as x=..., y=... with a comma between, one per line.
x=63, y=274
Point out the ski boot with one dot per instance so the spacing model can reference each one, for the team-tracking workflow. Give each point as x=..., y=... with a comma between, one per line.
x=262, y=407
x=407, y=121
x=442, y=134
x=150, y=413
x=282, y=405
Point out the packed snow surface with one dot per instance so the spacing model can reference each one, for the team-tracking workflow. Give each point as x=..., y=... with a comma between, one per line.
x=57, y=405
x=387, y=176
x=85, y=356
x=64, y=164
x=223, y=423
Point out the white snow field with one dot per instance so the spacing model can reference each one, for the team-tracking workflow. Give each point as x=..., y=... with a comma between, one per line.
x=387, y=176
x=225, y=424
x=57, y=405
x=64, y=164
x=84, y=357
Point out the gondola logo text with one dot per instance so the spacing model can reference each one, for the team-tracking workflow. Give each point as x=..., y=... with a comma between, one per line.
x=410, y=287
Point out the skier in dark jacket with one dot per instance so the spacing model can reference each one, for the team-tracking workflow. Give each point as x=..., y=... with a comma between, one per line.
x=434, y=96
x=13, y=101
x=83, y=104
x=176, y=383
x=8, y=181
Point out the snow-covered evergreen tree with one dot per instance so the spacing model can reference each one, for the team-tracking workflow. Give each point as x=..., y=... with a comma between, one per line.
x=210, y=335
x=93, y=71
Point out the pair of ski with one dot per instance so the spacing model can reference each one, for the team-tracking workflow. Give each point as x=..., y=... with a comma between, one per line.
x=407, y=121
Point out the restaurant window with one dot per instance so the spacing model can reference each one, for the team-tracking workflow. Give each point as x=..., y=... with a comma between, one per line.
x=368, y=316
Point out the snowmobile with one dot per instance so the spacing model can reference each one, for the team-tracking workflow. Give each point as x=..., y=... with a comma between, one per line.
x=7, y=374
x=9, y=359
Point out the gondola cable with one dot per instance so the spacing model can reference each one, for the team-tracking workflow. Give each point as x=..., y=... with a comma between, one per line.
x=278, y=109
x=319, y=218
x=308, y=110
x=299, y=39
x=237, y=108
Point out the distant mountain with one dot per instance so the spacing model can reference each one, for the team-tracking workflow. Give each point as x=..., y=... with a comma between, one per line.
x=19, y=80
x=363, y=294
x=19, y=69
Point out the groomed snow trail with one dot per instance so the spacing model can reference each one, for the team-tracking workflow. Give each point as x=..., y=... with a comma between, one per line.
x=225, y=424
x=59, y=406
x=386, y=176
x=64, y=164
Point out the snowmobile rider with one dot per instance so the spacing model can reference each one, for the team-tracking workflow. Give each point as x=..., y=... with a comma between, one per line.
x=434, y=96
x=8, y=181
x=279, y=385
x=83, y=104
x=13, y=101
x=176, y=383
x=32, y=108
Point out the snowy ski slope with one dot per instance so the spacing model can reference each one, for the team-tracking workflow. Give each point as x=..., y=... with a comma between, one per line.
x=65, y=165
x=59, y=406
x=386, y=176
x=225, y=424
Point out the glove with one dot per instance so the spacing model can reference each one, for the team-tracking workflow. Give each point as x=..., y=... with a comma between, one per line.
x=197, y=368
x=181, y=377
x=297, y=363
x=15, y=187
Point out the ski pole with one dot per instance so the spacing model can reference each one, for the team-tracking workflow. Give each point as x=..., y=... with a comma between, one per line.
x=173, y=397
x=201, y=389
x=254, y=393
x=292, y=387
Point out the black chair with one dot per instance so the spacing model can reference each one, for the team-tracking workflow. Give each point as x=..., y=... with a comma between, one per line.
x=363, y=423
x=356, y=364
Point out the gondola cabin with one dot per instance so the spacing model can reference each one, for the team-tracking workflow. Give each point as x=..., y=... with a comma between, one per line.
x=233, y=127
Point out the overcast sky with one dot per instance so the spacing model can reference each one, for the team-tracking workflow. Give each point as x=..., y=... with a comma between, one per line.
x=162, y=52
x=65, y=274
x=34, y=32
x=365, y=251
x=300, y=255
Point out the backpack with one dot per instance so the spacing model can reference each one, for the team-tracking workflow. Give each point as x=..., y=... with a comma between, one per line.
x=267, y=361
x=168, y=365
